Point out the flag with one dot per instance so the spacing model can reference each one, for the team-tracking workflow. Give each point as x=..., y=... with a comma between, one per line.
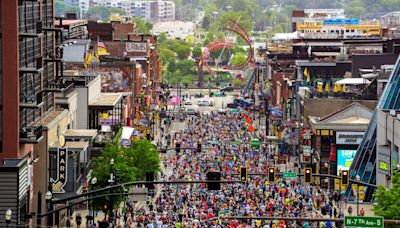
x=319, y=87
x=89, y=59
x=344, y=88
x=334, y=88
x=327, y=87
x=85, y=58
x=101, y=48
x=339, y=88
x=307, y=75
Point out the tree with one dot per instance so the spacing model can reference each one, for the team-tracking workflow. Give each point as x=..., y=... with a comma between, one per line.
x=166, y=55
x=102, y=170
x=144, y=156
x=196, y=52
x=183, y=51
x=162, y=37
x=142, y=26
x=238, y=59
x=132, y=163
x=236, y=83
x=388, y=200
x=186, y=66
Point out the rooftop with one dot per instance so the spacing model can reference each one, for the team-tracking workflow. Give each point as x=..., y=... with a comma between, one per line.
x=106, y=100
x=70, y=23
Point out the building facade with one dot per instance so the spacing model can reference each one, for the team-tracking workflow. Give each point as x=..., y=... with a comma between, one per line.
x=154, y=10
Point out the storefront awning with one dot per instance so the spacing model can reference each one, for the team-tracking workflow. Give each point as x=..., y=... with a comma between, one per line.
x=72, y=145
x=105, y=101
x=79, y=134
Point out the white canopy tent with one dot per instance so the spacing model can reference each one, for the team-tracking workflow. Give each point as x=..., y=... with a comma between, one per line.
x=353, y=81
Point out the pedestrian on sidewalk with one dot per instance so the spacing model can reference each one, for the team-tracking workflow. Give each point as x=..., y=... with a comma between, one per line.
x=78, y=220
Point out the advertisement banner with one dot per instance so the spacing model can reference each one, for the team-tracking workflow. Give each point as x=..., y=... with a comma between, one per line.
x=349, y=138
x=344, y=159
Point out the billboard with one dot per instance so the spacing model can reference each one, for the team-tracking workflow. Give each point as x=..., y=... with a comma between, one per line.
x=115, y=79
x=344, y=159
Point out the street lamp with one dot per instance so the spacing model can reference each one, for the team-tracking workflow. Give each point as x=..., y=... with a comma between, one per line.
x=358, y=178
x=8, y=216
x=49, y=197
x=111, y=217
x=93, y=182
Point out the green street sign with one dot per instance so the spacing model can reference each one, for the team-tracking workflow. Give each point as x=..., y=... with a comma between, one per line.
x=361, y=221
x=289, y=175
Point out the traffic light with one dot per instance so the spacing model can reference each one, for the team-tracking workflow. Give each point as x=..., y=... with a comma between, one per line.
x=199, y=147
x=307, y=175
x=214, y=176
x=243, y=174
x=177, y=147
x=345, y=177
x=117, y=177
x=149, y=177
x=271, y=174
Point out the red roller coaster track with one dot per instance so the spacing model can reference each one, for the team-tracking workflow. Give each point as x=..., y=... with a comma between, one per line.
x=237, y=28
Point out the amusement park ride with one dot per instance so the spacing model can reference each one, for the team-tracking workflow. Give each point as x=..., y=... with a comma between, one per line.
x=239, y=30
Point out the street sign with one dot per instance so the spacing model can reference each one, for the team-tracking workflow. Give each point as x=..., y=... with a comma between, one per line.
x=367, y=222
x=289, y=175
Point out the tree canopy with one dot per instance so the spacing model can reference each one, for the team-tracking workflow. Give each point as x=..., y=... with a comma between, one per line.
x=143, y=26
x=132, y=163
x=387, y=201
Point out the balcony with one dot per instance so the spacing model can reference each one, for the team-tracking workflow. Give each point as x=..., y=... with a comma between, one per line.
x=31, y=135
x=38, y=32
x=32, y=102
x=33, y=70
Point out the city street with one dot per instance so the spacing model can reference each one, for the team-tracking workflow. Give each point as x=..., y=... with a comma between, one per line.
x=192, y=205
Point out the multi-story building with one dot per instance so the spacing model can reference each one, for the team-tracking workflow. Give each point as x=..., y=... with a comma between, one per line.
x=83, y=5
x=154, y=10
x=30, y=60
x=315, y=14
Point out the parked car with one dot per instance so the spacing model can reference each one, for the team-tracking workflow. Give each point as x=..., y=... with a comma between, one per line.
x=227, y=89
x=204, y=103
x=198, y=95
x=188, y=103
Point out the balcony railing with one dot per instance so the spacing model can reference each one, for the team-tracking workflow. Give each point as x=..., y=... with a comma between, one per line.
x=30, y=134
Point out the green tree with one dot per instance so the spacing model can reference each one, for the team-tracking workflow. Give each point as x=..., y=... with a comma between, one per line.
x=142, y=26
x=186, y=66
x=196, y=52
x=387, y=201
x=143, y=155
x=131, y=163
x=355, y=8
x=236, y=83
x=102, y=170
x=162, y=37
x=238, y=59
x=183, y=51
x=166, y=55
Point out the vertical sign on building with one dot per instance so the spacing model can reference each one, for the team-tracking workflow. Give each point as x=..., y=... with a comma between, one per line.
x=288, y=108
x=62, y=160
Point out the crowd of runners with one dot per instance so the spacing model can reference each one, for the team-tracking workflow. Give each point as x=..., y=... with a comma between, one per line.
x=192, y=205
